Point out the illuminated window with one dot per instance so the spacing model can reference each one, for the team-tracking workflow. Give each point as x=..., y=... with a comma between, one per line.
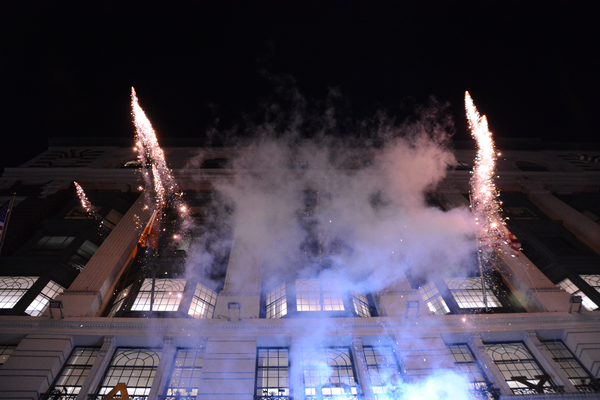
x=516, y=364
x=167, y=294
x=75, y=371
x=433, y=299
x=318, y=295
x=83, y=254
x=135, y=368
x=570, y=287
x=13, y=288
x=577, y=374
x=468, y=366
x=54, y=242
x=272, y=373
x=185, y=378
x=468, y=293
x=384, y=373
x=116, y=307
x=39, y=305
x=203, y=302
x=5, y=352
x=592, y=280
x=329, y=372
x=277, y=302
x=361, y=304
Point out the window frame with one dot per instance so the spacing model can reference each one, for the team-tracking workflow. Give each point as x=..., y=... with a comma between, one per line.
x=80, y=377
x=199, y=355
x=351, y=377
x=264, y=391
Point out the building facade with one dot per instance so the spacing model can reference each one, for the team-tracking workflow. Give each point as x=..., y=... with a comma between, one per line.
x=87, y=302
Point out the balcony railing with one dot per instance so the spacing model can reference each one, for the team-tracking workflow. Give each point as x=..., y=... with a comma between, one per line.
x=57, y=394
x=547, y=389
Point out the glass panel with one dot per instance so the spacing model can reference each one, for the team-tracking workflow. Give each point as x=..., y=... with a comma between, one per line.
x=328, y=371
x=13, y=288
x=272, y=374
x=39, y=305
x=134, y=367
x=433, y=299
x=570, y=287
x=276, y=302
x=185, y=378
x=514, y=360
x=167, y=295
x=467, y=365
x=76, y=370
x=54, y=242
x=361, y=304
x=384, y=372
x=203, y=302
x=318, y=295
x=468, y=293
x=577, y=374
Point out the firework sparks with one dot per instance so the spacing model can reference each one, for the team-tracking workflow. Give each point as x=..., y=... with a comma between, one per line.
x=85, y=203
x=484, y=194
x=151, y=156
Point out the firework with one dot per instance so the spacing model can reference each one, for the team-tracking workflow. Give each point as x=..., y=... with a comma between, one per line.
x=85, y=203
x=151, y=156
x=484, y=194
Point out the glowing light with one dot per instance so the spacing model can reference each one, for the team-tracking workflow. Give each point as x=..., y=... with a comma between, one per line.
x=484, y=203
x=85, y=203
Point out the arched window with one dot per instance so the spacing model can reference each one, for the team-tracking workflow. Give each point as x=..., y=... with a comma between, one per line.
x=328, y=372
x=135, y=368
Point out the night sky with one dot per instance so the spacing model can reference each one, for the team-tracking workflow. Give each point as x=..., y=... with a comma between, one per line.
x=66, y=68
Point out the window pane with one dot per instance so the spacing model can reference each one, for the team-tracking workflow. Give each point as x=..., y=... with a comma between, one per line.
x=433, y=299
x=468, y=293
x=328, y=371
x=39, y=305
x=167, y=295
x=75, y=370
x=570, y=287
x=203, y=302
x=577, y=374
x=384, y=372
x=185, y=378
x=13, y=288
x=134, y=367
x=272, y=375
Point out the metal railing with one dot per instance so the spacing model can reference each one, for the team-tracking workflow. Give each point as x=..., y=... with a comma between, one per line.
x=547, y=389
x=58, y=394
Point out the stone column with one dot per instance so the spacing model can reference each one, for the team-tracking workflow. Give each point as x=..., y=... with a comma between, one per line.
x=33, y=366
x=295, y=371
x=242, y=284
x=87, y=295
x=358, y=354
x=582, y=227
x=545, y=359
x=490, y=370
x=161, y=379
x=95, y=375
x=394, y=298
x=527, y=283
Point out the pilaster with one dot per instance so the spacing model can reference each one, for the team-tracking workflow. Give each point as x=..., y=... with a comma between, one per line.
x=88, y=294
x=165, y=365
x=95, y=375
x=490, y=370
x=582, y=227
x=358, y=353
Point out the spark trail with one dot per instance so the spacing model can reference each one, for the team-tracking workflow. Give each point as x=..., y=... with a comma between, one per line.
x=85, y=203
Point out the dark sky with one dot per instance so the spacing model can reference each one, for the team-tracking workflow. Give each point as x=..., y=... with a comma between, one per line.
x=66, y=68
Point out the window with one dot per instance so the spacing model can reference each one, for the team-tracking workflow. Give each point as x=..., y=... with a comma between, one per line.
x=203, y=302
x=468, y=293
x=277, y=302
x=185, y=378
x=328, y=372
x=318, y=295
x=520, y=214
x=433, y=299
x=39, y=305
x=530, y=166
x=592, y=280
x=54, y=242
x=577, y=374
x=166, y=293
x=272, y=372
x=79, y=213
x=570, y=287
x=13, y=288
x=468, y=366
x=112, y=219
x=361, y=304
x=384, y=373
x=5, y=352
x=75, y=371
x=119, y=301
x=83, y=254
x=134, y=367
x=518, y=366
